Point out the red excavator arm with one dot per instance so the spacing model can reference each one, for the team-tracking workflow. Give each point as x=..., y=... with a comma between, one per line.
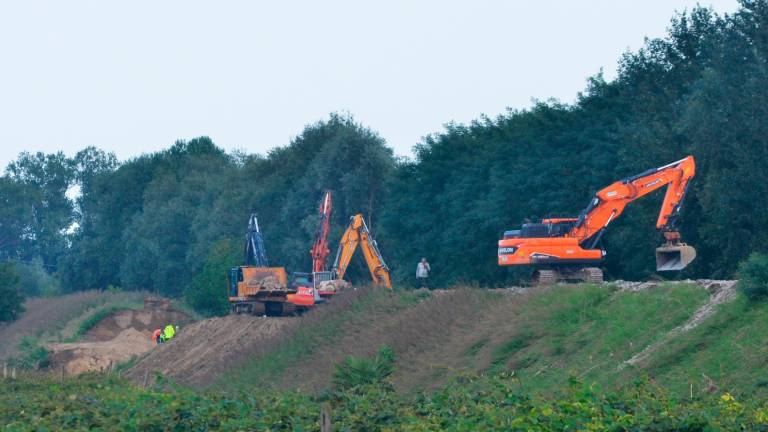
x=320, y=249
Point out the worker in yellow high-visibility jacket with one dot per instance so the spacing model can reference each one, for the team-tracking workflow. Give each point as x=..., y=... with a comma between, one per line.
x=168, y=333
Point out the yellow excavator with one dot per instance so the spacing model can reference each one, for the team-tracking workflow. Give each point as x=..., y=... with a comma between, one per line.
x=358, y=234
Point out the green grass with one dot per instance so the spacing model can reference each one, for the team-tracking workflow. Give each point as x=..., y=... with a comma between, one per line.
x=730, y=348
x=505, y=351
x=587, y=331
x=473, y=349
x=91, y=320
x=554, y=335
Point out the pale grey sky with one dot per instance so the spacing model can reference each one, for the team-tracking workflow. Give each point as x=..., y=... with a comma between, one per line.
x=132, y=77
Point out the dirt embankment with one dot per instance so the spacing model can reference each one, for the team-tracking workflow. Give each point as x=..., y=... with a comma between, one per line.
x=202, y=351
x=50, y=315
x=115, y=339
x=442, y=332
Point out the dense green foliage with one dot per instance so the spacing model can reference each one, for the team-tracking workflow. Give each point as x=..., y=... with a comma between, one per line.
x=207, y=293
x=359, y=372
x=753, y=277
x=32, y=355
x=11, y=297
x=472, y=402
x=151, y=222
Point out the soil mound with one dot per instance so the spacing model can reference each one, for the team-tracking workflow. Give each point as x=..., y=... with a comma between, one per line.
x=81, y=357
x=202, y=351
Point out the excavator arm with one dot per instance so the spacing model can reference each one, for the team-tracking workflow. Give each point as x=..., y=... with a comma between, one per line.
x=358, y=234
x=610, y=202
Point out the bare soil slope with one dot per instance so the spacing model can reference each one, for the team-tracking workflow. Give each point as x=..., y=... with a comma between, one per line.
x=81, y=357
x=201, y=352
x=50, y=315
x=115, y=339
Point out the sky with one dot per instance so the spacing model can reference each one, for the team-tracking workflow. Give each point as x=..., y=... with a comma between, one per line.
x=134, y=77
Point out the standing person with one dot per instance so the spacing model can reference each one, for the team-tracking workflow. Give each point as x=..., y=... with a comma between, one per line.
x=422, y=272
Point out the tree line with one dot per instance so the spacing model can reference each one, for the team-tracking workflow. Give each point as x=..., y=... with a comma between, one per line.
x=169, y=221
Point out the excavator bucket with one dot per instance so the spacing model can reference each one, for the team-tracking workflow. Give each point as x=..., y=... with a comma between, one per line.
x=674, y=257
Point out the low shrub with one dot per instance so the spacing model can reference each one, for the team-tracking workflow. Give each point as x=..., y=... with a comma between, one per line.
x=357, y=372
x=753, y=277
x=33, y=354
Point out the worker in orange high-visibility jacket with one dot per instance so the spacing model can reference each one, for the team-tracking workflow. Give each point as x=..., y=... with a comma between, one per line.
x=156, y=336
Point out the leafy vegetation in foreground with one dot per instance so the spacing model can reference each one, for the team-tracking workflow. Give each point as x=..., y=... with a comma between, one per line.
x=471, y=402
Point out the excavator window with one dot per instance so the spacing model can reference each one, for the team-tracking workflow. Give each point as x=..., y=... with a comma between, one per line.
x=235, y=276
x=534, y=230
x=301, y=279
x=539, y=230
x=560, y=229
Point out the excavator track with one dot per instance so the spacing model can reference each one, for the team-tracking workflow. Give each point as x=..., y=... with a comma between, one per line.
x=544, y=277
x=551, y=276
x=592, y=275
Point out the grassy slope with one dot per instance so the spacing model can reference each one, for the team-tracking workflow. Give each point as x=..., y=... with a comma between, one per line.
x=546, y=336
x=731, y=349
x=316, y=332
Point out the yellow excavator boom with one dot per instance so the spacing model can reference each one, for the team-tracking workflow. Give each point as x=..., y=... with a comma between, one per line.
x=358, y=234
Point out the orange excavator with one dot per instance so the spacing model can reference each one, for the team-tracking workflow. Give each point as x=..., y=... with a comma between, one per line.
x=357, y=233
x=562, y=249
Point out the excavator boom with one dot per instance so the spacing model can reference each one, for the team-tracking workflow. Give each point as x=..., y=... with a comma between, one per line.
x=255, y=252
x=358, y=234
